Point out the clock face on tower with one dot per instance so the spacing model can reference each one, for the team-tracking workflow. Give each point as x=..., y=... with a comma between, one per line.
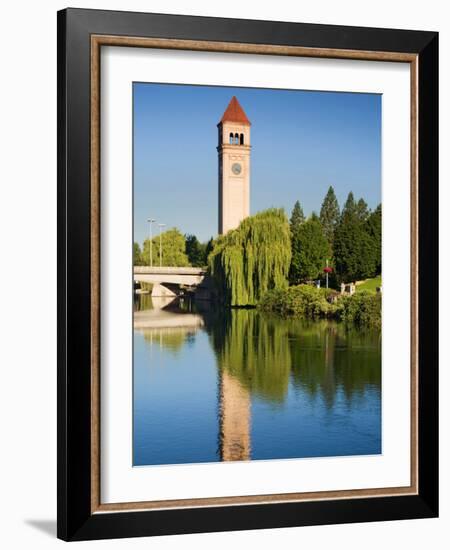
x=236, y=168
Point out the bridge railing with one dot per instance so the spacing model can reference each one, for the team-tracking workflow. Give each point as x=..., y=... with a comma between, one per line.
x=156, y=270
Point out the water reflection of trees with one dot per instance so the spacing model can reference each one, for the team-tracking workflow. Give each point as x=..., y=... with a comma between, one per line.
x=253, y=350
x=262, y=355
x=142, y=302
x=320, y=358
x=170, y=339
x=265, y=352
x=329, y=357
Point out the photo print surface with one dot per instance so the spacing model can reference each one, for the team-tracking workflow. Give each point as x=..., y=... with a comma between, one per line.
x=256, y=274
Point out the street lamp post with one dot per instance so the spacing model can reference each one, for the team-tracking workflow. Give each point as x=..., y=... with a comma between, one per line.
x=150, y=221
x=327, y=271
x=160, y=225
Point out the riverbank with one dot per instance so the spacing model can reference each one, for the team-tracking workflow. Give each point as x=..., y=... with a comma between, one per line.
x=308, y=302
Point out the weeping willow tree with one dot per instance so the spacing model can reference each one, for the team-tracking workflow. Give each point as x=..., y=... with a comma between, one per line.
x=253, y=258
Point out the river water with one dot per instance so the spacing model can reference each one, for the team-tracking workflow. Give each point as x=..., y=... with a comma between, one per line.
x=213, y=385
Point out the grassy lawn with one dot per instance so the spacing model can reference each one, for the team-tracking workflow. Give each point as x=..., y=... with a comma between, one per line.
x=369, y=284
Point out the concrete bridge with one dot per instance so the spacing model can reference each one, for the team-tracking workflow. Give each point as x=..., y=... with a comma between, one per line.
x=169, y=281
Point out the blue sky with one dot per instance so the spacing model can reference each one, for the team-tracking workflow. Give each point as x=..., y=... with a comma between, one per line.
x=302, y=142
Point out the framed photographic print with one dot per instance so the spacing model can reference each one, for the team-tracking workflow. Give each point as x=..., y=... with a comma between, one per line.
x=247, y=252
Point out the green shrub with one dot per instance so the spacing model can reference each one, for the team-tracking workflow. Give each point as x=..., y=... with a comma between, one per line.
x=309, y=302
x=362, y=309
x=299, y=301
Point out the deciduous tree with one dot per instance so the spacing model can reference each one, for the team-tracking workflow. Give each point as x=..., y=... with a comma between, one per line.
x=137, y=255
x=253, y=258
x=173, y=247
x=195, y=251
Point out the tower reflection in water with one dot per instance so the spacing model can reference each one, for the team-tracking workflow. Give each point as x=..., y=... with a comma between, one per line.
x=297, y=389
x=234, y=419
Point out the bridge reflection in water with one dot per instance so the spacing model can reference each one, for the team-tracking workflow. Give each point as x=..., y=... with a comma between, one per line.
x=244, y=386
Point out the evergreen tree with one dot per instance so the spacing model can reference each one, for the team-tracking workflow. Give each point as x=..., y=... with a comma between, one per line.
x=208, y=249
x=296, y=221
x=329, y=214
x=349, y=206
x=362, y=210
x=311, y=249
x=373, y=227
x=297, y=217
x=195, y=251
x=353, y=246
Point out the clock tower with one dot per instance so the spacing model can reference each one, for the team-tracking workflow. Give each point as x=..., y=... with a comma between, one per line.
x=234, y=167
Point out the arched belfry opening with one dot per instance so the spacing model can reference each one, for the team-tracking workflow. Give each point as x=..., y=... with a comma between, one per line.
x=241, y=140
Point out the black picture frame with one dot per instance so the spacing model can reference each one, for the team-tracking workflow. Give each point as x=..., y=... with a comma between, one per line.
x=75, y=519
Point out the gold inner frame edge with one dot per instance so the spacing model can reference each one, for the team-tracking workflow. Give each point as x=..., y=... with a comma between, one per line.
x=97, y=41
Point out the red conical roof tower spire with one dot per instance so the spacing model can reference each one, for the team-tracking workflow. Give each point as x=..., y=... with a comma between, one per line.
x=234, y=113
